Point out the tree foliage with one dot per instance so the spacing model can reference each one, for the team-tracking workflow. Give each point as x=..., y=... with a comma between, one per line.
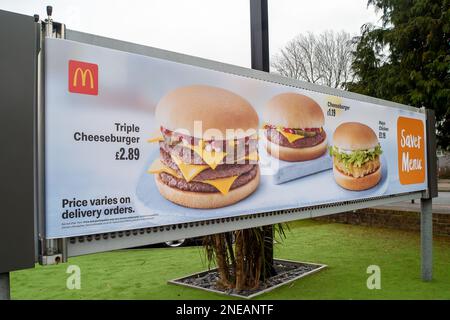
x=407, y=58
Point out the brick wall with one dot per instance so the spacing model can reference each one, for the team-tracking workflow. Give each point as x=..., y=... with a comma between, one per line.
x=403, y=220
x=444, y=167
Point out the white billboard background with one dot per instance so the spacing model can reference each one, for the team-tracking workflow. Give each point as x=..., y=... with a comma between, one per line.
x=130, y=87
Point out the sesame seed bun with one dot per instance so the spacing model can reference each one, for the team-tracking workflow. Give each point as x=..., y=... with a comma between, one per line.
x=206, y=200
x=354, y=136
x=293, y=110
x=217, y=109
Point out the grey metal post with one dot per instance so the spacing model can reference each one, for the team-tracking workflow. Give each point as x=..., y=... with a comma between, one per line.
x=4, y=286
x=259, y=32
x=426, y=238
x=426, y=210
x=259, y=27
x=18, y=38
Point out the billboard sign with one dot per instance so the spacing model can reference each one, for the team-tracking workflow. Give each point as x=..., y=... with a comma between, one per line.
x=133, y=141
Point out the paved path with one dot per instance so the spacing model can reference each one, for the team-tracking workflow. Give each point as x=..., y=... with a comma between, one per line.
x=441, y=204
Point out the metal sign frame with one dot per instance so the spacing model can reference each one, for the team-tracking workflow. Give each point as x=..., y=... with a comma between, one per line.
x=76, y=246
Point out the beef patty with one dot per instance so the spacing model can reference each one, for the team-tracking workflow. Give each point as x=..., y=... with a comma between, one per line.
x=196, y=186
x=187, y=155
x=274, y=136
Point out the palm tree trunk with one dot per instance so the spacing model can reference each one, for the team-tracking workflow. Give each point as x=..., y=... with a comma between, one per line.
x=239, y=260
x=268, y=268
x=221, y=258
x=229, y=244
x=257, y=273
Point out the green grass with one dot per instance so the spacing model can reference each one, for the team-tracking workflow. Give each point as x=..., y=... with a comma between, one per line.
x=347, y=250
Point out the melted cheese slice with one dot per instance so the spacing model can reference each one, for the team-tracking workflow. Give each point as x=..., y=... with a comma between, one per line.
x=212, y=158
x=158, y=167
x=292, y=137
x=189, y=171
x=155, y=139
x=223, y=184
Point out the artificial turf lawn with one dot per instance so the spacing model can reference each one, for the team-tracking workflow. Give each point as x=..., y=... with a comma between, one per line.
x=347, y=250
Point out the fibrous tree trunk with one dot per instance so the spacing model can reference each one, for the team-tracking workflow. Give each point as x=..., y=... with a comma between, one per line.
x=239, y=272
x=268, y=268
x=249, y=263
x=222, y=261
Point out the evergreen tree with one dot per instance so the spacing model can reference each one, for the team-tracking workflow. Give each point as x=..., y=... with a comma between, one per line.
x=407, y=58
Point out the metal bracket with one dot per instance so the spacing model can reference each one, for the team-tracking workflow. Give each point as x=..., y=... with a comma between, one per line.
x=50, y=260
x=54, y=251
x=51, y=251
x=51, y=28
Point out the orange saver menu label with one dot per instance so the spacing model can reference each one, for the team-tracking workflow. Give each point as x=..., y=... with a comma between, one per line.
x=411, y=150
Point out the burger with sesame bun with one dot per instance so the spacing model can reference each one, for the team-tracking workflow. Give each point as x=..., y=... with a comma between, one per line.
x=208, y=148
x=356, y=156
x=294, y=128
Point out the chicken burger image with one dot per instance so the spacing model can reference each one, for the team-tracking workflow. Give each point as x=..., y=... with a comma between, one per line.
x=294, y=128
x=356, y=156
x=207, y=168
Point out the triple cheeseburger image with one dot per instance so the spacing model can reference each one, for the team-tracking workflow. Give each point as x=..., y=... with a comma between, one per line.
x=202, y=166
x=356, y=156
x=206, y=168
x=294, y=128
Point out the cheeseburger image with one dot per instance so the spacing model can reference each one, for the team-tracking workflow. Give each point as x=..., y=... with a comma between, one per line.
x=215, y=165
x=294, y=128
x=356, y=156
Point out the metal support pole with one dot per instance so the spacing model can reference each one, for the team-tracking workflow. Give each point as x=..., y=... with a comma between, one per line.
x=426, y=238
x=4, y=286
x=259, y=22
x=426, y=210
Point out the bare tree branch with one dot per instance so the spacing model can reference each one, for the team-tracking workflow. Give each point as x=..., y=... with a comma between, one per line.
x=323, y=59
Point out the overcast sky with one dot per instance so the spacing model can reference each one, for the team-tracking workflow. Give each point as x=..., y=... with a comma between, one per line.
x=213, y=29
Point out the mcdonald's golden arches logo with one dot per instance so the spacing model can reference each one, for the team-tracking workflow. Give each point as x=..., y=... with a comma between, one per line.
x=83, y=77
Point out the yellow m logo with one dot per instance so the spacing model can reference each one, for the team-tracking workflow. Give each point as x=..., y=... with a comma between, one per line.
x=83, y=74
x=84, y=71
